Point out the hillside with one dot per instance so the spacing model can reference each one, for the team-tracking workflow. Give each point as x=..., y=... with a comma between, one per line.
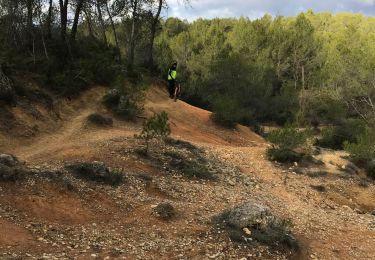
x=56, y=215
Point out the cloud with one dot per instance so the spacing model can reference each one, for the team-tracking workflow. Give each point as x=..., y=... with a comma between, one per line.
x=255, y=8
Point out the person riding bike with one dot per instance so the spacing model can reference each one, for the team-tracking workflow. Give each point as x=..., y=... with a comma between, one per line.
x=172, y=76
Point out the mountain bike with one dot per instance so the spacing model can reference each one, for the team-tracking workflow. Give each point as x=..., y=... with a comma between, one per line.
x=177, y=91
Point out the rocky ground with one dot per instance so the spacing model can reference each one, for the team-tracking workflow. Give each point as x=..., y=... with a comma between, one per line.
x=49, y=211
x=62, y=216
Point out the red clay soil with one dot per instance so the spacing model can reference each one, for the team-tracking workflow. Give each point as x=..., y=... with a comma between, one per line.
x=14, y=236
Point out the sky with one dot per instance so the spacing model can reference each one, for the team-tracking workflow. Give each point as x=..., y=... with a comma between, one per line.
x=257, y=8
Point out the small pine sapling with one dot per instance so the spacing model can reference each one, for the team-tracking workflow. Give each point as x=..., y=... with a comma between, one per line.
x=156, y=127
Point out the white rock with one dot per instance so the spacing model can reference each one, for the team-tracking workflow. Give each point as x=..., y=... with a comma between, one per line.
x=247, y=231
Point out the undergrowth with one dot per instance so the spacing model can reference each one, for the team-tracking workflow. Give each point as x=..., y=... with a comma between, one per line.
x=97, y=172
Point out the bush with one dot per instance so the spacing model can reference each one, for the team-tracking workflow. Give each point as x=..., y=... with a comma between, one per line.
x=100, y=120
x=125, y=100
x=285, y=141
x=189, y=160
x=279, y=108
x=283, y=155
x=165, y=211
x=193, y=169
x=321, y=108
x=86, y=63
x=156, y=127
x=71, y=80
x=228, y=112
x=112, y=98
x=363, y=151
x=258, y=129
x=370, y=169
x=288, y=138
x=128, y=108
x=12, y=174
x=334, y=137
x=182, y=144
x=97, y=172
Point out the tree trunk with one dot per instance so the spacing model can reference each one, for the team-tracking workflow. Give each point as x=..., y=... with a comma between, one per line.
x=49, y=20
x=89, y=22
x=63, y=18
x=132, y=35
x=150, y=52
x=114, y=31
x=41, y=28
x=102, y=25
x=30, y=4
x=76, y=20
x=303, y=76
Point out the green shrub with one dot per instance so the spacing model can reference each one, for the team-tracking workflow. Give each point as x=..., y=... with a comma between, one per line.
x=283, y=155
x=370, y=169
x=86, y=62
x=165, y=211
x=128, y=108
x=125, y=100
x=97, y=172
x=182, y=144
x=334, y=137
x=174, y=155
x=285, y=141
x=258, y=129
x=322, y=108
x=115, y=177
x=12, y=174
x=100, y=120
x=156, y=127
x=288, y=138
x=363, y=150
x=193, y=169
x=190, y=163
x=112, y=99
x=228, y=112
x=73, y=79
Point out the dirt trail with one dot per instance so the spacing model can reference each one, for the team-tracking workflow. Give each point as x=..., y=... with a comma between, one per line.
x=329, y=225
x=329, y=229
x=187, y=122
x=72, y=140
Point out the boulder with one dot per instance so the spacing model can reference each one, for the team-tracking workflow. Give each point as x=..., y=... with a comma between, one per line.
x=251, y=222
x=246, y=215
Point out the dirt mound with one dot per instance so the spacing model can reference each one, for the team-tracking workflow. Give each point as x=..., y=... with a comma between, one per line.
x=195, y=124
